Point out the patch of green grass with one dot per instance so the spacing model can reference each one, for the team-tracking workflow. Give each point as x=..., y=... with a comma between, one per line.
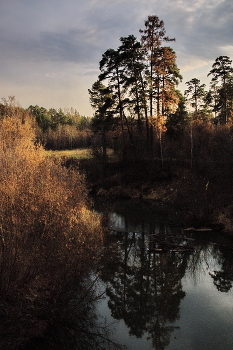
x=79, y=153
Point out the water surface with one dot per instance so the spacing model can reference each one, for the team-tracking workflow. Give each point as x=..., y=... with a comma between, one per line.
x=165, y=288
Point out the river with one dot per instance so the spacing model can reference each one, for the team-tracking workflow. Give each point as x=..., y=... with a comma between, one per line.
x=164, y=288
x=155, y=287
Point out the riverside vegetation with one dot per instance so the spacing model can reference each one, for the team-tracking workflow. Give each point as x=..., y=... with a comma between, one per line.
x=49, y=240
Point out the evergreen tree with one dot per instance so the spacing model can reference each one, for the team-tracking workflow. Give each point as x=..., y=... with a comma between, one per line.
x=102, y=100
x=222, y=73
x=152, y=37
x=169, y=78
x=142, y=77
x=111, y=69
x=162, y=74
x=42, y=117
x=133, y=61
x=195, y=94
x=176, y=122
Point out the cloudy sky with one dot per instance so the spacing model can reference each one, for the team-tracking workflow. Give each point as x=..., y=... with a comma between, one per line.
x=50, y=49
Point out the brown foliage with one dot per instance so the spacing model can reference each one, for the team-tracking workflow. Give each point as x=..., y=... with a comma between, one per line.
x=48, y=236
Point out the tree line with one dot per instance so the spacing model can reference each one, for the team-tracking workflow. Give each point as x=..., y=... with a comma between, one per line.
x=61, y=129
x=55, y=128
x=136, y=100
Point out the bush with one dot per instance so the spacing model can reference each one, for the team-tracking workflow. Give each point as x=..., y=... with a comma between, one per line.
x=48, y=236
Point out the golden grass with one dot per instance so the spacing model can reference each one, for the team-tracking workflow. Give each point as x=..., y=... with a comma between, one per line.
x=79, y=153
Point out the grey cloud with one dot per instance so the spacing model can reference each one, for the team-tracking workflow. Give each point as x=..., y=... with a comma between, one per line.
x=199, y=27
x=75, y=46
x=211, y=28
x=37, y=37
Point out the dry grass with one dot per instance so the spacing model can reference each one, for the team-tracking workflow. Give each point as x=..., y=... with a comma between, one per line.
x=80, y=153
x=48, y=236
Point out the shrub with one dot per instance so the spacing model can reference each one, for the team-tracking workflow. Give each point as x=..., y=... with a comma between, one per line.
x=48, y=236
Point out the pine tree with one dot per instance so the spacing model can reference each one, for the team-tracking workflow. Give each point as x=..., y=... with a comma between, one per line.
x=222, y=73
x=195, y=94
x=111, y=69
x=102, y=100
x=133, y=60
x=152, y=37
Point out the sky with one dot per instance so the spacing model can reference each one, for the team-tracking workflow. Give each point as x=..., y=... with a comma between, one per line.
x=50, y=49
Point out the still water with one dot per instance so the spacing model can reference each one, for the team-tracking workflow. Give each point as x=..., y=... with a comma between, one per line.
x=165, y=288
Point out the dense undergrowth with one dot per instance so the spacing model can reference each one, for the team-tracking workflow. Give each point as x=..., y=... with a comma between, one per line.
x=49, y=238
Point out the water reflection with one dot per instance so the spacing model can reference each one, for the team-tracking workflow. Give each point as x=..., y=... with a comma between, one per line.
x=223, y=278
x=144, y=287
x=218, y=249
x=75, y=325
x=147, y=280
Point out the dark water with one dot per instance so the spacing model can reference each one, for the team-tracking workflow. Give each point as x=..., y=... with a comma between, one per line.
x=162, y=288
x=165, y=288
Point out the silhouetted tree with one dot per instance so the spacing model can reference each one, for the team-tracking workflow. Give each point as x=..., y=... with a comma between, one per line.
x=222, y=73
x=195, y=94
x=102, y=100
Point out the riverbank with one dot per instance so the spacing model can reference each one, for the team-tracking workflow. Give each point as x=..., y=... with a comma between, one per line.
x=196, y=197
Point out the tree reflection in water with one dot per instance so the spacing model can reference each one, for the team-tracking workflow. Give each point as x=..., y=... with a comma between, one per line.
x=145, y=280
x=144, y=285
x=75, y=326
x=220, y=248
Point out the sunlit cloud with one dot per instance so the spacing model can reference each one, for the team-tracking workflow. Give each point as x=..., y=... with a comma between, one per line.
x=189, y=63
x=228, y=49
